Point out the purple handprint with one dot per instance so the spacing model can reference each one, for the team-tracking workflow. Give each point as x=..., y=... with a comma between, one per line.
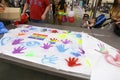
x=81, y=51
x=102, y=48
x=24, y=31
x=18, y=50
x=46, y=46
x=17, y=41
x=66, y=41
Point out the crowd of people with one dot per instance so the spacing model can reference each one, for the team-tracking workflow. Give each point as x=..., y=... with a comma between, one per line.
x=39, y=9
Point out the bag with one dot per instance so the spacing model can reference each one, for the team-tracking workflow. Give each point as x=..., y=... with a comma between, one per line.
x=64, y=18
x=10, y=14
x=71, y=19
x=3, y=28
x=99, y=21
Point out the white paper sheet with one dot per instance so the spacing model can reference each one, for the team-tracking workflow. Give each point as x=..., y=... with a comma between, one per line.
x=105, y=71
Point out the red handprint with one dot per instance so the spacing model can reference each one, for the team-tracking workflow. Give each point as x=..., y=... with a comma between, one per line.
x=72, y=62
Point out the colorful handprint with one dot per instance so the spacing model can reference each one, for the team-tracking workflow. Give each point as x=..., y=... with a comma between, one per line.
x=17, y=41
x=53, y=40
x=46, y=46
x=49, y=59
x=66, y=41
x=102, y=49
x=72, y=62
x=18, y=50
x=61, y=48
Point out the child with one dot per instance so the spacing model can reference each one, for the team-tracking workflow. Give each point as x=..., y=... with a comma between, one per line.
x=61, y=9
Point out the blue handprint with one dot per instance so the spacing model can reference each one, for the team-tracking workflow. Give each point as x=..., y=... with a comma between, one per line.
x=24, y=30
x=49, y=59
x=78, y=35
x=61, y=48
x=17, y=41
x=32, y=44
x=18, y=50
x=5, y=40
x=76, y=54
x=33, y=28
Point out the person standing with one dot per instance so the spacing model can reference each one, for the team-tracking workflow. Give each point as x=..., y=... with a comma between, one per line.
x=54, y=10
x=115, y=16
x=115, y=11
x=62, y=6
x=38, y=9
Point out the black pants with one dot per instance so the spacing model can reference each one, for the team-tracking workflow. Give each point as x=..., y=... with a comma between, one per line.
x=117, y=29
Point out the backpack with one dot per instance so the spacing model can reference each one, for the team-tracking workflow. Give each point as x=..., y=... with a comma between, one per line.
x=99, y=21
x=3, y=28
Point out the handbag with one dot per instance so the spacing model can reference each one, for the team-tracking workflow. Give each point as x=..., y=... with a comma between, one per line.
x=64, y=18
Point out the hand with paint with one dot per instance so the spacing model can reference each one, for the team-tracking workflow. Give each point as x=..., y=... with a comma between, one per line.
x=49, y=59
x=66, y=41
x=61, y=48
x=102, y=49
x=46, y=46
x=72, y=62
x=17, y=41
x=18, y=50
